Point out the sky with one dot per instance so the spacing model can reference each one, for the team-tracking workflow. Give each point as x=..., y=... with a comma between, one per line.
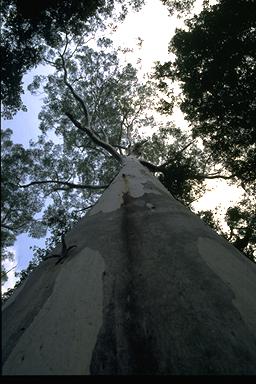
x=155, y=27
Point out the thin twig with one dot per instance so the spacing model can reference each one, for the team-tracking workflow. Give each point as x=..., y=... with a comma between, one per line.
x=5, y=273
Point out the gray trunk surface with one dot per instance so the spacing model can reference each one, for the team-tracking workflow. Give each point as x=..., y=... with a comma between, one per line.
x=149, y=289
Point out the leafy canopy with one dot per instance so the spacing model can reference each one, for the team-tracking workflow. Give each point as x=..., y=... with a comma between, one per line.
x=28, y=31
x=215, y=64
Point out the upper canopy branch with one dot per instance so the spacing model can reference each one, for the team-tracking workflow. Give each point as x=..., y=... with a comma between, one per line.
x=68, y=184
x=86, y=128
x=95, y=138
x=76, y=96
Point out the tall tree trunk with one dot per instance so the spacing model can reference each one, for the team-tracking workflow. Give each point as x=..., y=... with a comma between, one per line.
x=149, y=289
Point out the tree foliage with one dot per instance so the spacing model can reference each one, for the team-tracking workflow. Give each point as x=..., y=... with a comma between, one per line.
x=178, y=6
x=216, y=66
x=28, y=31
x=239, y=228
x=241, y=220
x=18, y=207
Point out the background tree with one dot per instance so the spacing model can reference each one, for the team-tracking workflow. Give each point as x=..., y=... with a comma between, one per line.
x=218, y=82
x=218, y=86
x=240, y=225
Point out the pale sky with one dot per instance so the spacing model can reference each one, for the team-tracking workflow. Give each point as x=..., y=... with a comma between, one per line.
x=155, y=27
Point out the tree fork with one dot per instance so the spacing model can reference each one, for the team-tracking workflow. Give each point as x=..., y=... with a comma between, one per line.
x=150, y=289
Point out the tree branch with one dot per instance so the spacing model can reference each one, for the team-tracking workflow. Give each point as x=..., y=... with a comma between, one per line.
x=95, y=138
x=13, y=229
x=152, y=167
x=86, y=128
x=68, y=184
x=120, y=147
x=76, y=96
x=78, y=44
x=164, y=165
x=83, y=209
x=214, y=176
x=3, y=273
x=121, y=128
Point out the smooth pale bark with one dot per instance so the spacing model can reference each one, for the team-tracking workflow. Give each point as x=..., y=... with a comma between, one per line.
x=150, y=289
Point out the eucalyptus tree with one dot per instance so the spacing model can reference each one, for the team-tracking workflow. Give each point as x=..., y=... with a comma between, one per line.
x=102, y=94
x=91, y=89
x=139, y=285
x=60, y=181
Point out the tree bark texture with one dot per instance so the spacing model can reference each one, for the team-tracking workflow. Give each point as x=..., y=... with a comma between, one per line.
x=149, y=289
